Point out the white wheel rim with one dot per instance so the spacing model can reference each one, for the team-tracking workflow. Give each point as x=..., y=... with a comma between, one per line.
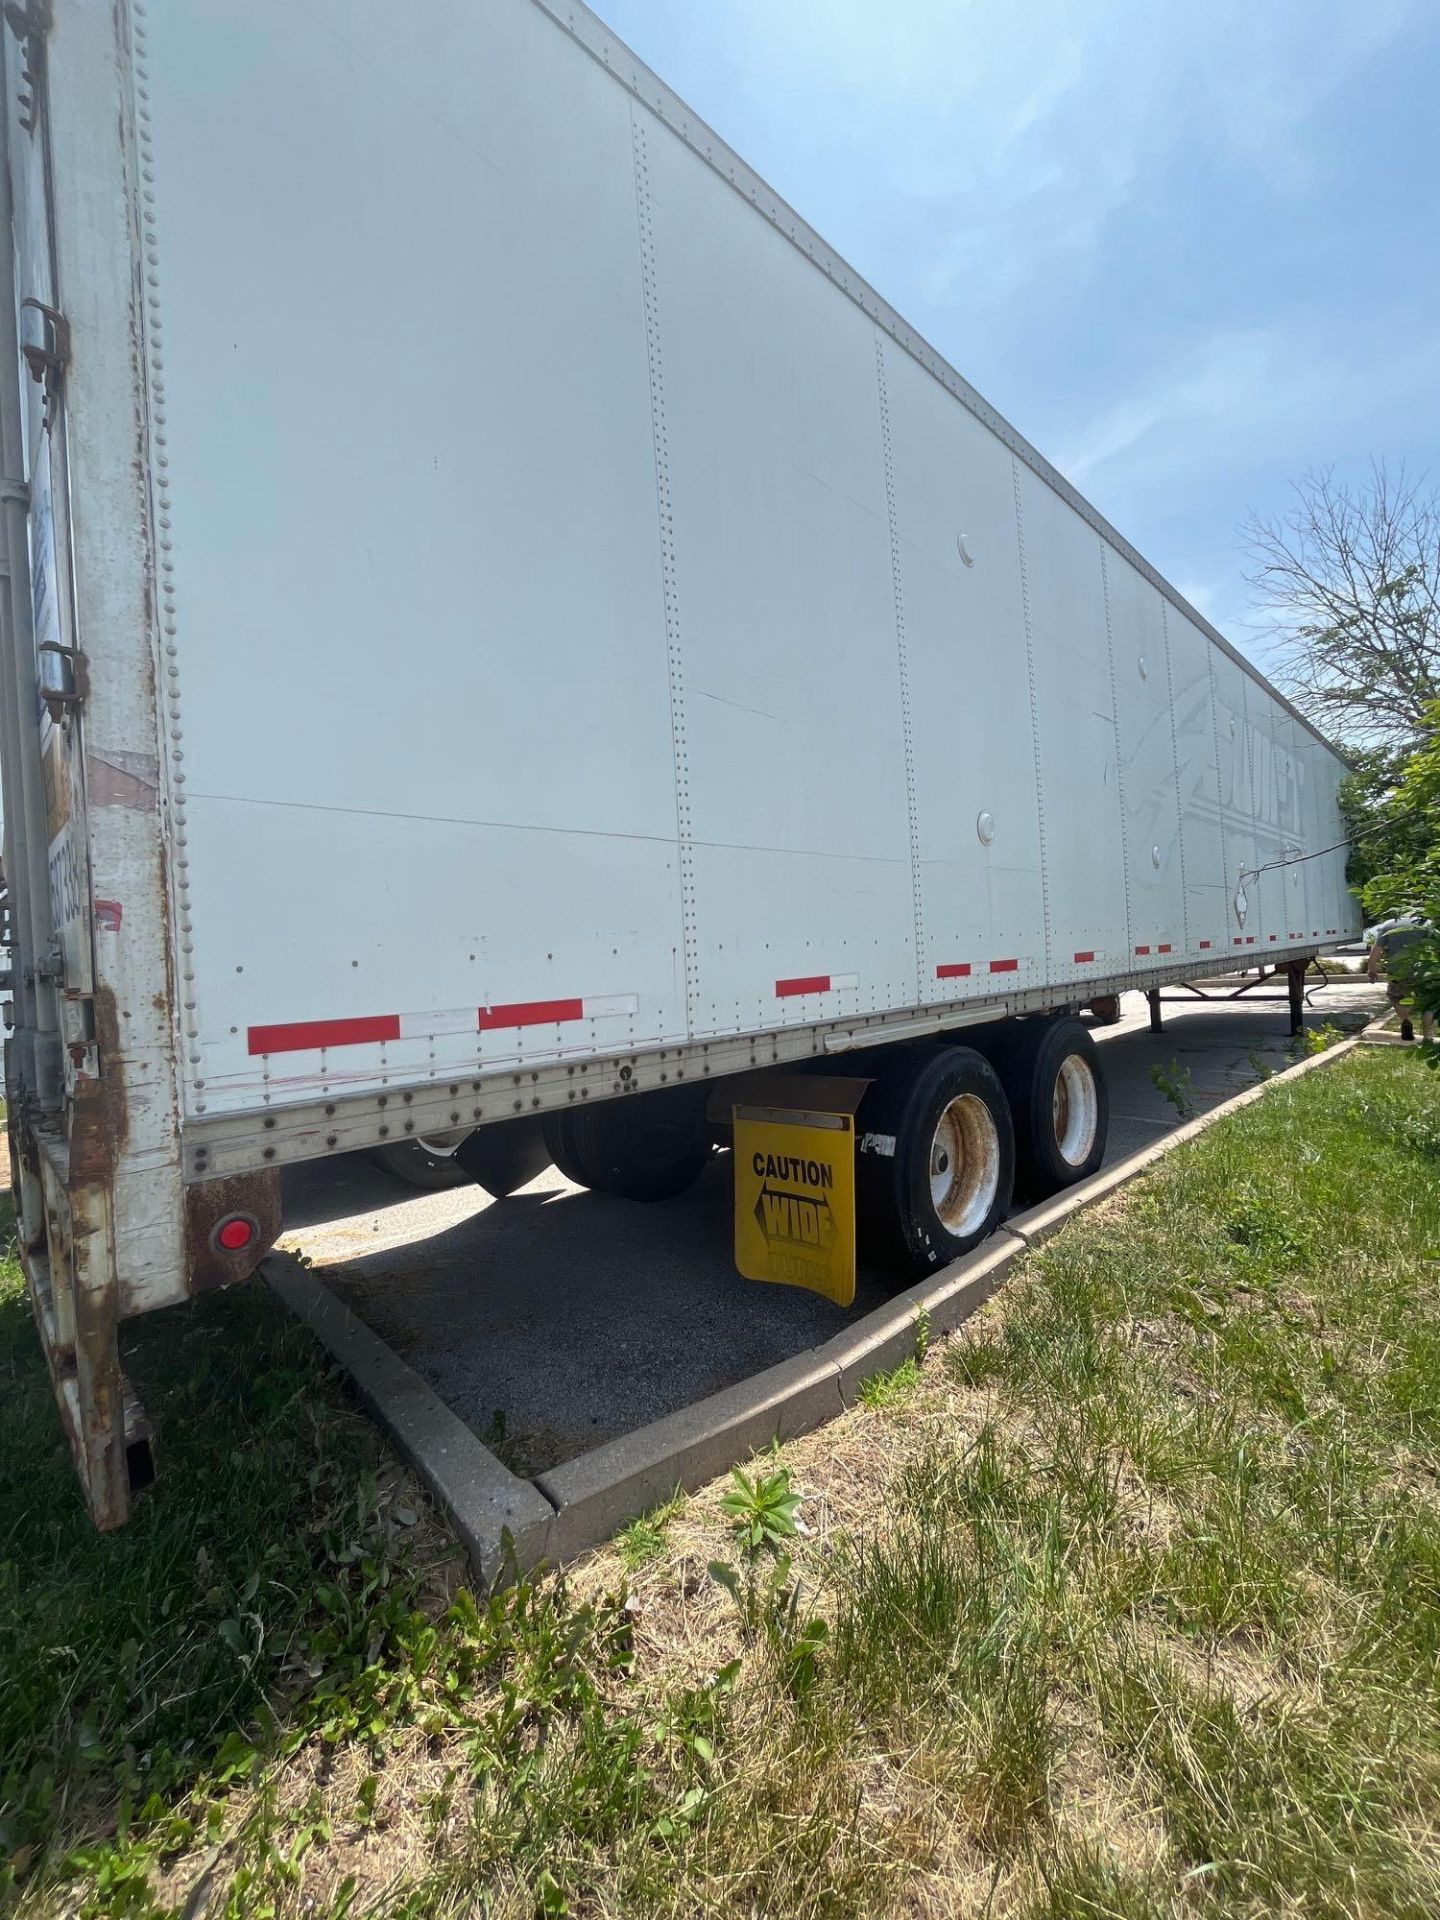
x=1076, y=1109
x=965, y=1165
x=441, y=1146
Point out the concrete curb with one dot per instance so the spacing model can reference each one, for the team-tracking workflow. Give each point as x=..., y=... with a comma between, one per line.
x=1039, y=1223
x=483, y=1498
x=1377, y=1034
x=580, y=1505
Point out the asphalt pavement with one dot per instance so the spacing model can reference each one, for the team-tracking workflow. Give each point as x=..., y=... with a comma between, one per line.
x=559, y=1319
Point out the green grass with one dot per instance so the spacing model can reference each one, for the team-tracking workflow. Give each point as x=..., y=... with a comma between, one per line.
x=647, y=1538
x=1129, y=1605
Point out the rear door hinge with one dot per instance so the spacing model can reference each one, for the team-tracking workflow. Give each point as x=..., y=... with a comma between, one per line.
x=30, y=21
x=44, y=341
x=64, y=678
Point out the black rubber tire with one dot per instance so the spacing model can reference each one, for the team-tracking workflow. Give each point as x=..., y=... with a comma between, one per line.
x=1028, y=1059
x=898, y=1224
x=414, y=1163
x=504, y=1157
x=565, y=1149
x=627, y=1148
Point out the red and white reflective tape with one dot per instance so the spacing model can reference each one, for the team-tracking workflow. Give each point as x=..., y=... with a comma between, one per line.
x=815, y=983
x=963, y=969
x=1088, y=958
x=1204, y=944
x=307, y=1036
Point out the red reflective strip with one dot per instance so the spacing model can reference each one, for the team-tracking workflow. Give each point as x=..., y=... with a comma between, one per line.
x=531, y=1013
x=1274, y=936
x=1249, y=939
x=955, y=970
x=1169, y=949
x=812, y=983
x=1238, y=941
x=1140, y=952
x=1004, y=966
x=300, y=1036
x=1083, y=959
x=1204, y=943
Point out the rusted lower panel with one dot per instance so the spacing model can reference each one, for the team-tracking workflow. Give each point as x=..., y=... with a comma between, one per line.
x=73, y=1292
x=253, y=1197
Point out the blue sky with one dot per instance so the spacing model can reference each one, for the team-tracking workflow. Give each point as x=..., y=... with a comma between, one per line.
x=1189, y=251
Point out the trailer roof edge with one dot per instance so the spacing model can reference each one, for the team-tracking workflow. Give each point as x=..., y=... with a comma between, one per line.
x=653, y=93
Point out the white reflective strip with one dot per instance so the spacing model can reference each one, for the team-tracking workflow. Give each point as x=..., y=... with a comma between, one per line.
x=607, y=1006
x=423, y=1026
x=842, y=982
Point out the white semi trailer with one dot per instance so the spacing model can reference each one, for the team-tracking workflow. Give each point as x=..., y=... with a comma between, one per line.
x=504, y=631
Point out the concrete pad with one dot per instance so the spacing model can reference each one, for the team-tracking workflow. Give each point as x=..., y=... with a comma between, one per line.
x=600, y=1491
x=483, y=1498
x=608, y=1302
x=559, y=1320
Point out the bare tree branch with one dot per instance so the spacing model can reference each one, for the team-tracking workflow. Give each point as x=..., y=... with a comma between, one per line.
x=1350, y=579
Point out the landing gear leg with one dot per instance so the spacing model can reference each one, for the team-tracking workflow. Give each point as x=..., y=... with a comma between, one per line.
x=1295, y=976
x=1156, y=1024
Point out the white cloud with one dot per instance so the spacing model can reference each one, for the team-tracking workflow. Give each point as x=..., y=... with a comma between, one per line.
x=1230, y=398
x=1027, y=128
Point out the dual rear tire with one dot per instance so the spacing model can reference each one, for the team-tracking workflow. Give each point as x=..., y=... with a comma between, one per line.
x=935, y=1161
x=632, y=1149
x=947, y=1137
x=1051, y=1073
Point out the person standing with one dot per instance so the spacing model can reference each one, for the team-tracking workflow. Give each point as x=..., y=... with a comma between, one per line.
x=1394, y=945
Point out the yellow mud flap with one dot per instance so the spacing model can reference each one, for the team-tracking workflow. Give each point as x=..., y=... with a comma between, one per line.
x=795, y=1186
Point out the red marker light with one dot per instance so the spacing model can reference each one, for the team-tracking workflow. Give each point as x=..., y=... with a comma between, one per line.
x=236, y=1233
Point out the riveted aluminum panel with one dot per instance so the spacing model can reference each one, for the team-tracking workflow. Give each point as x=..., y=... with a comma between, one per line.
x=558, y=550
x=1207, y=904
x=782, y=609
x=1074, y=720
x=1154, y=853
x=972, y=744
x=1236, y=800
x=416, y=566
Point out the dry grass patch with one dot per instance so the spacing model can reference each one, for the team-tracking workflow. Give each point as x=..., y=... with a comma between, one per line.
x=1125, y=1602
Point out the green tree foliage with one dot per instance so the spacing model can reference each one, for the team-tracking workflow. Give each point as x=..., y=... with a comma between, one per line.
x=1395, y=860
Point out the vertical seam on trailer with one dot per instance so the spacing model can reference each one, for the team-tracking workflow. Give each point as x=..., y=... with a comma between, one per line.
x=1119, y=749
x=902, y=652
x=665, y=506
x=1034, y=712
x=1219, y=784
x=1175, y=760
x=613, y=56
x=168, y=674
